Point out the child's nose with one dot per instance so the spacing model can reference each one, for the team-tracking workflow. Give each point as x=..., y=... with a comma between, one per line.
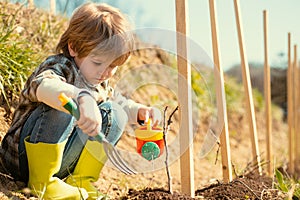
x=108, y=72
x=104, y=73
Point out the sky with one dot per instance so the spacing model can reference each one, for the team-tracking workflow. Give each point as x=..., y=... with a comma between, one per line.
x=283, y=17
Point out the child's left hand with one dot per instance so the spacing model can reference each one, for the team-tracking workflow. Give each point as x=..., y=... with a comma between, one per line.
x=153, y=113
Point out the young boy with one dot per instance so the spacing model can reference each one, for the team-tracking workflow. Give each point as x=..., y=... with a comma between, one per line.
x=42, y=133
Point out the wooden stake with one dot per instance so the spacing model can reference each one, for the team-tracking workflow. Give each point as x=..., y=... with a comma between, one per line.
x=30, y=3
x=248, y=89
x=185, y=103
x=221, y=100
x=53, y=7
x=297, y=112
x=267, y=93
x=290, y=107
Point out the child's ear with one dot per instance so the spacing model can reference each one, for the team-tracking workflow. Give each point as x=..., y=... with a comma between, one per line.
x=72, y=52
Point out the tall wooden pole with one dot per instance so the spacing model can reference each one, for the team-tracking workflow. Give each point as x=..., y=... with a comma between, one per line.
x=290, y=105
x=31, y=3
x=248, y=89
x=221, y=100
x=53, y=7
x=267, y=94
x=297, y=112
x=185, y=103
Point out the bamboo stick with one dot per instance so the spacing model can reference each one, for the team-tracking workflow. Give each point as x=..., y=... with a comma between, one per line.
x=248, y=89
x=185, y=104
x=221, y=100
x=267, y=94
x=290, y=107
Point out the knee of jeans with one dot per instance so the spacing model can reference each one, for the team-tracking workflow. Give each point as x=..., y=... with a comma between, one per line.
x=119, y=116
x=119, y=120
x=48, y=125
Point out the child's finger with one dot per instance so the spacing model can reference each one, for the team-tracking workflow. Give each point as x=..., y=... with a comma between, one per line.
x=91, y=129
x=155, y=123
x=96, y=131
x=147, y=116
x=156, y=116
x=82, y=124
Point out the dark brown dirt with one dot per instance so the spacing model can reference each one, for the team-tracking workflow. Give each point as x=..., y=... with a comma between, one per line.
x=250, y=186
x=245, y=187
x=153, y=194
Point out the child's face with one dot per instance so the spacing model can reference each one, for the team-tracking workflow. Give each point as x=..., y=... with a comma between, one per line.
x=96, y=69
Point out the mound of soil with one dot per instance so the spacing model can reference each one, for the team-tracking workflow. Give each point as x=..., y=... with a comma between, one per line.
x=250, y=186
x=152, y=194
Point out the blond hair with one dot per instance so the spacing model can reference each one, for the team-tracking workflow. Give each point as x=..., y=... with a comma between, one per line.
x=98, y=29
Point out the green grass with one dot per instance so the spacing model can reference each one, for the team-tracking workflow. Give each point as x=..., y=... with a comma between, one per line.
x=15, y=55
x=24, y=43
x=288, y=185
x=15, y=58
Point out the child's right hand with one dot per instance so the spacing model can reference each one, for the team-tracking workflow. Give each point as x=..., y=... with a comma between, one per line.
x=90, y=120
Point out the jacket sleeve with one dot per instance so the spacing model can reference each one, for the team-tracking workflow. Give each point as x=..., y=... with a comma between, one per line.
x=130, y=106
x=35, y=81
x=54, y=68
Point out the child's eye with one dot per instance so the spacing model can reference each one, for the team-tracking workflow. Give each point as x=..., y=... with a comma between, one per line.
x=97, y=63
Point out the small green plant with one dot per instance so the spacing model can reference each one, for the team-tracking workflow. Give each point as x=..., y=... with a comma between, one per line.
x=287, y=185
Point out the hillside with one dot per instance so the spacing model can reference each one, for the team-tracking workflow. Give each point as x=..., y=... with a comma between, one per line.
x=150, y=78
x=278, y=82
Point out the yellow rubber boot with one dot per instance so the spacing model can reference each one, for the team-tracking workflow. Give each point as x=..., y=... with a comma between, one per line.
x=44, y=161
x=87, y=170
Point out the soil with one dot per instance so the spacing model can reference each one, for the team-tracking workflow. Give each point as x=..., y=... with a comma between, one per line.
x=244, y=187
x=249, y=186
x=154, y=193
x=152, y=185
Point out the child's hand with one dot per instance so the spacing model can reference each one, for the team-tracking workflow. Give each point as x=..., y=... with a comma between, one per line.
x=90, y=120
x=153, y=113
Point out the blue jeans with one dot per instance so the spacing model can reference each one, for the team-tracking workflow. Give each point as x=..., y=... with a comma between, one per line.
x=49, y=125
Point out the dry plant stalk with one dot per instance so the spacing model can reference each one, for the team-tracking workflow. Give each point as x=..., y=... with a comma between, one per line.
x=165, y=130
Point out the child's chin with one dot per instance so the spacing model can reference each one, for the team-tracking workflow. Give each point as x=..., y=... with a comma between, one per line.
x=97, y=81
x=101, y=81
